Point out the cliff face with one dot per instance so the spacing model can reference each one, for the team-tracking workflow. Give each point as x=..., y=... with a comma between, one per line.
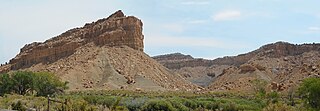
x=173, y=57
x=274, y=50
x=281, y=49
x=106, y=54
x=116, y=30
x=280, y=62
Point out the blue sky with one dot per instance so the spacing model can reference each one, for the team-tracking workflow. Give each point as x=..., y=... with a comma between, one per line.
x=202, y=28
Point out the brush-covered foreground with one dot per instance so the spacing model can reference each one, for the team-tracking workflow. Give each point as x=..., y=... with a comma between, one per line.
x=121, y=100
x=27, y=91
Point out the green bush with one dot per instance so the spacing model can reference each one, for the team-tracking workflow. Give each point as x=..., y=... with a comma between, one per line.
x=23, y=82
x=121, y=108
x=177, y=103
x=157, y=105
x=80, y=105
x=6, y=84
x=190, y=103
x=259, y=87
x=273, y=97
x=212, y=105
x=310, y=92
x=45, y=83
x=107, y=101
x=134, y=104
x=278, y=107
x=92, y=99
x=19, y=106
x=229, y=107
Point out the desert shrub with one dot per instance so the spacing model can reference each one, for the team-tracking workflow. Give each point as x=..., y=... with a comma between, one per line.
x=291, y=95
x=259, y=87
x=177, y=103
x=190, y=103
x=278, y=107
x=256, y=104
x=310, y=92
x=107, y=101
x=201, y=104
x=80, y=105
x=229, y=107
x=212, y=105
x=157, y=105
x=134, y=104
x=116, y=103
x=91, y=99
x=121, y=108
x=19, y=106
x=273, y=97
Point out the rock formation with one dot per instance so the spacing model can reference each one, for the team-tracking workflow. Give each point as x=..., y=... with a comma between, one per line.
x=106, y=54
x=116, y=30
x=274, y=50
x=282, y=63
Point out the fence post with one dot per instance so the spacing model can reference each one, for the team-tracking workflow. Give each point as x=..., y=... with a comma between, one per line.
x=65, y=104
x=48, y=103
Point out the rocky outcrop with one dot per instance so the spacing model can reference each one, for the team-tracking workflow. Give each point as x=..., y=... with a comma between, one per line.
x=281, y=49
x=116, y=30
x=277, y=64
x=173, y=57
x=274, y=50
x=245, y=68
x=106, y=54
x=280, y=62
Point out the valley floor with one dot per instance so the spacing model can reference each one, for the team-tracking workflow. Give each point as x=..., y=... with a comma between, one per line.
x=146, y=101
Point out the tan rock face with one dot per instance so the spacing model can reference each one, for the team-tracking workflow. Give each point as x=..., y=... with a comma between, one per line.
x=246, y=68
x=281, y=62
x=106, y=54
x=116, y=30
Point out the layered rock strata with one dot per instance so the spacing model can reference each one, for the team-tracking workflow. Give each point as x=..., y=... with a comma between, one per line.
x=116, y=30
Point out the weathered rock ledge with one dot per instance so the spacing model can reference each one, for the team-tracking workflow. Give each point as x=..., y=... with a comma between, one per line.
x=116, y=30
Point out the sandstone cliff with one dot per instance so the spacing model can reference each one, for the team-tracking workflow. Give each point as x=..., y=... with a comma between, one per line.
x=282, y=63
x=115, y=30
x=106, y=54
x=274, y=50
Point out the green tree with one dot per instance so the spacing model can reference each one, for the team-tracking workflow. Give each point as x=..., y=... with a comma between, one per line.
x=6, y=84
x=22, y=81
x=46, y=83
x=310, y=92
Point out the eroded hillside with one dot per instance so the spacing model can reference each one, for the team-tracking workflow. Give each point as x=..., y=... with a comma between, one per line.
x=106, y=54
x=282, y=65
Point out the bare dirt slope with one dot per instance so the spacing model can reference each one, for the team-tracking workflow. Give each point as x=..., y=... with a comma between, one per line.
x=106, y=54
x=281, y=73
x=282, y=65
x=122, y=67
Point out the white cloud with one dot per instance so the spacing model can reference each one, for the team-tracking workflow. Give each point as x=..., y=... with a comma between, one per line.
x=196, y=3
x=314, y=29
x=227, y=15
